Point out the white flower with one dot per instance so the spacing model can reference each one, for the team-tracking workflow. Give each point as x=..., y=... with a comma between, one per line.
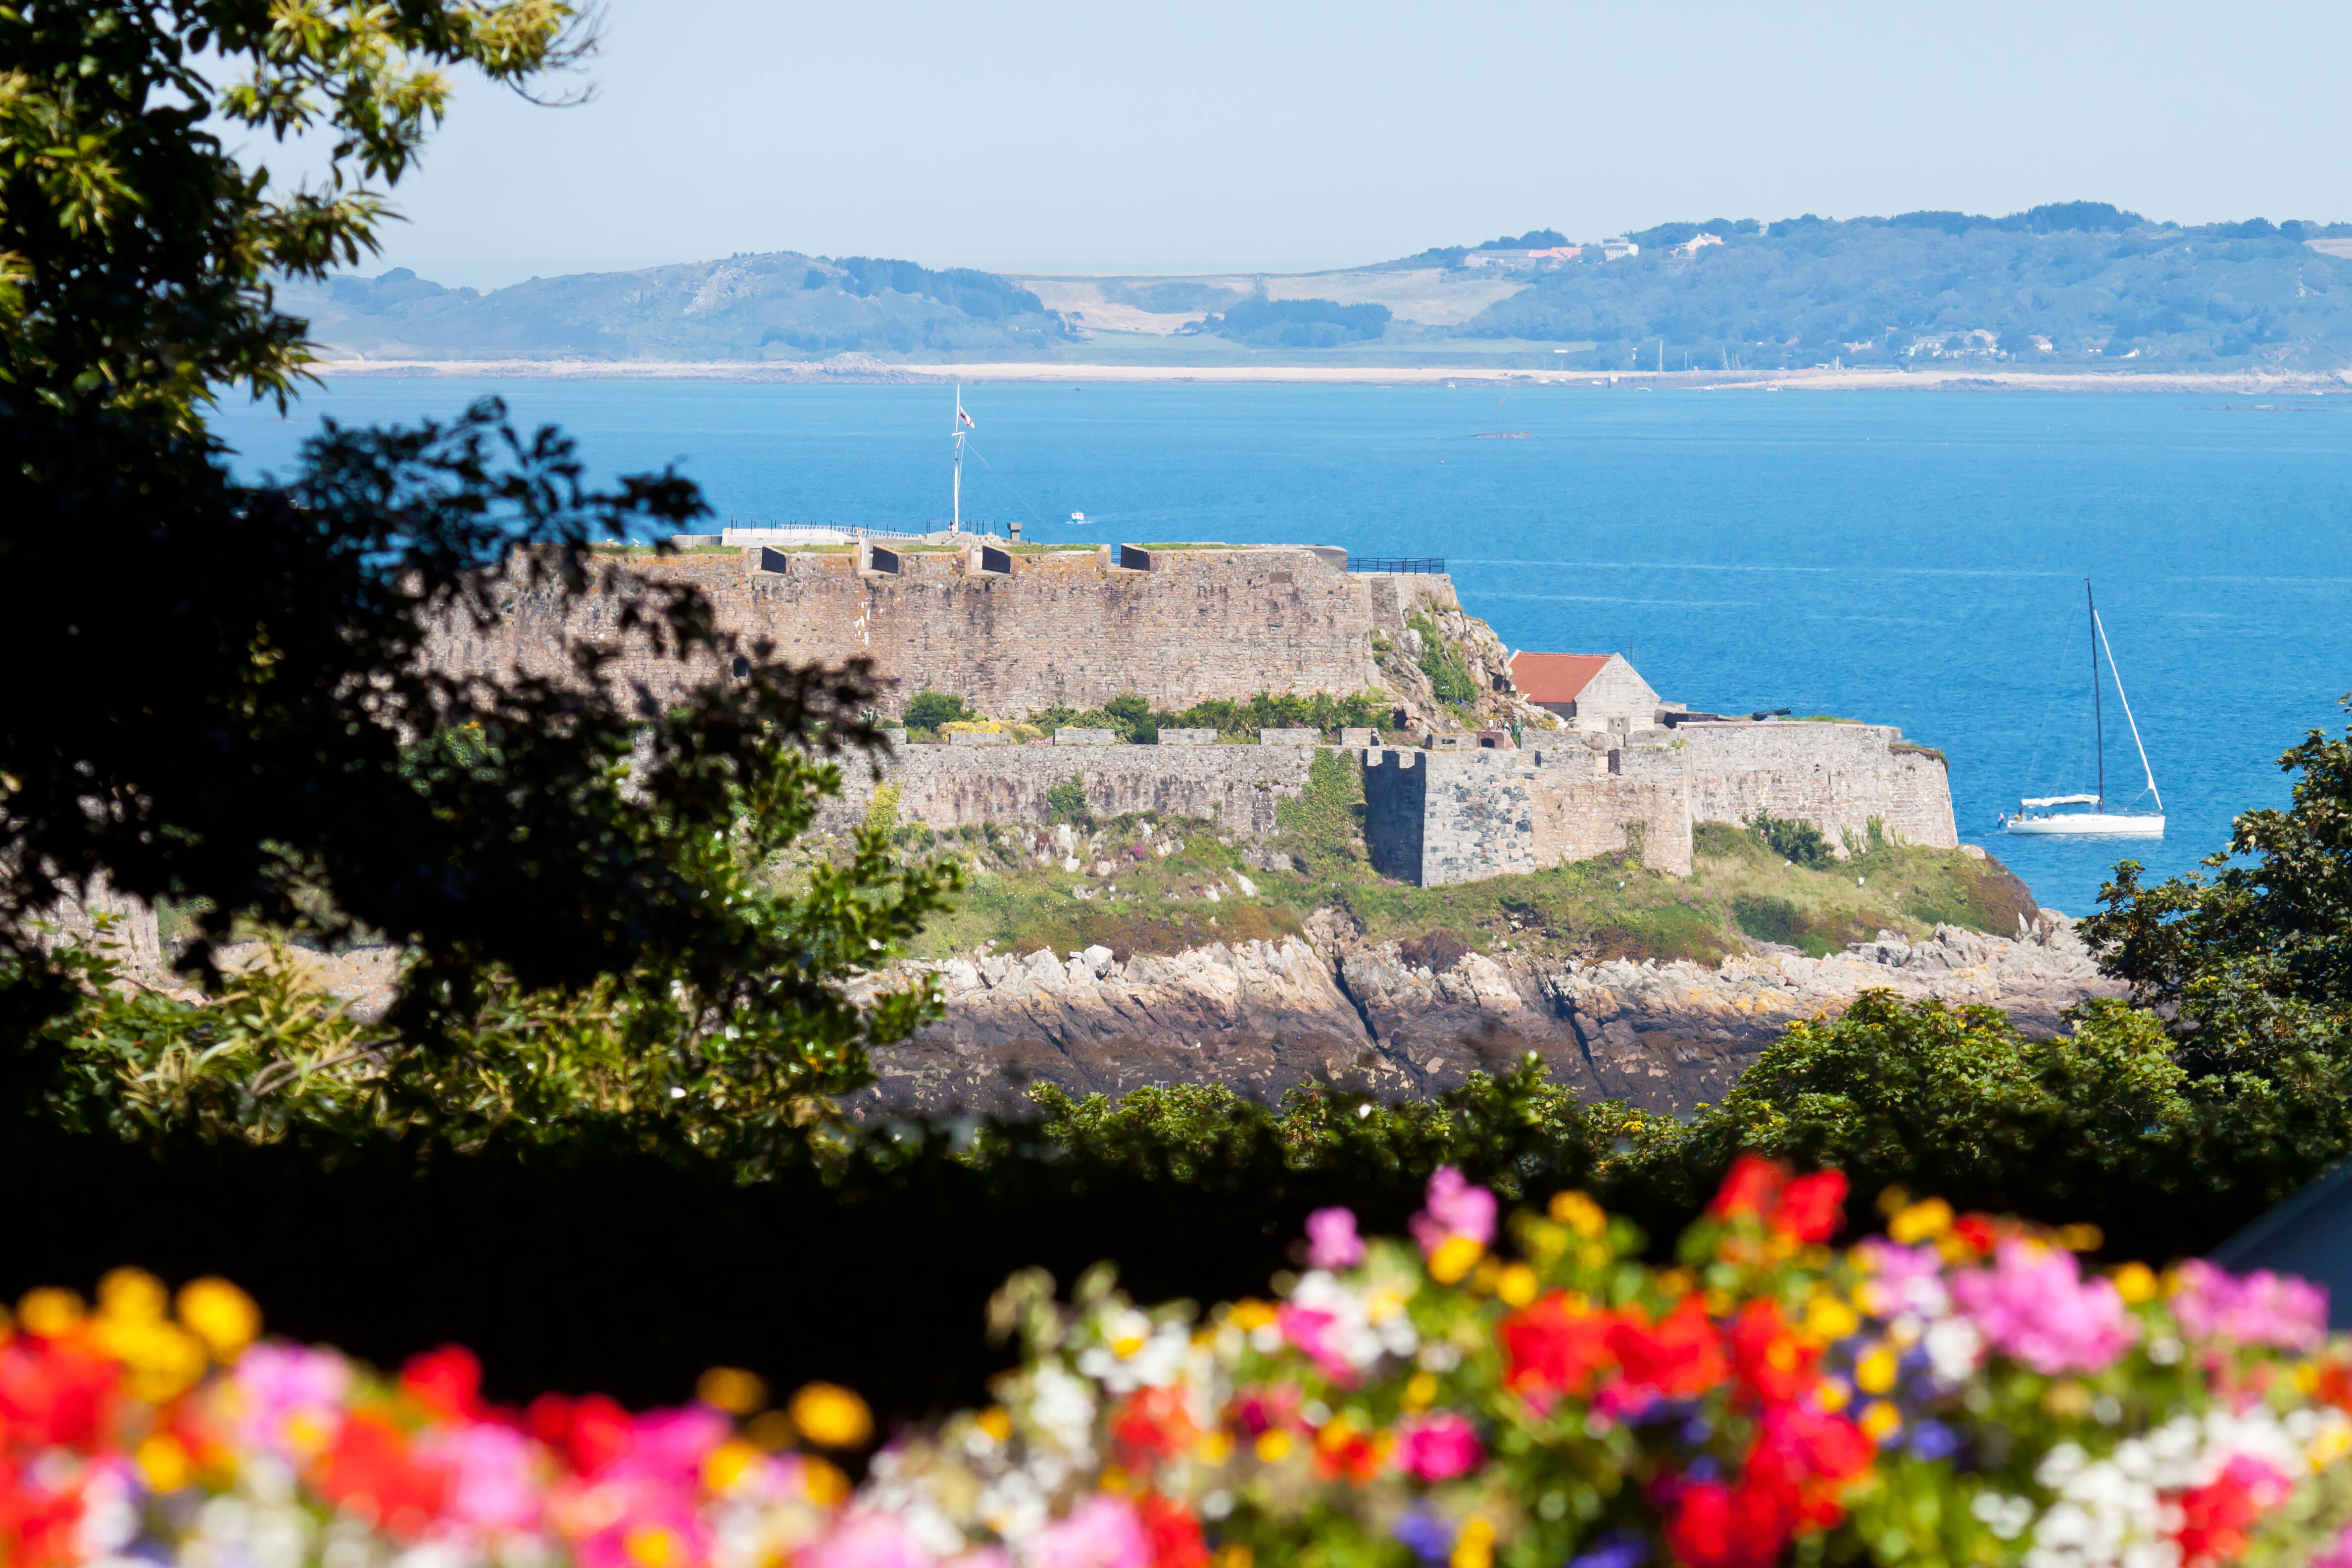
x=1953, y=1346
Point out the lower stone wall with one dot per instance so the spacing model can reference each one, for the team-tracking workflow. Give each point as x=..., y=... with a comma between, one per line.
x=1834, y=776
x=944, y=787
x=1441, y=817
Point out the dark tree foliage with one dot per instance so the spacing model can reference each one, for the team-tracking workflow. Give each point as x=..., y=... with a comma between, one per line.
x=2255, y=961
x=231, y=694
x=1301, y=323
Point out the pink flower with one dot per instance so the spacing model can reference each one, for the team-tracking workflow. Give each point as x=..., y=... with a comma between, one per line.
x=1317, y=1335
x=1439, y=1446
x=2034, y=1305
x=1455, y=1208
x=1100, y=1532
x=283, y=1388
x=496, y=1484
x=1331, y=1239
x=670, y=1446
x=866, y=1540
x=2337, y=1554
x=2257, y=1308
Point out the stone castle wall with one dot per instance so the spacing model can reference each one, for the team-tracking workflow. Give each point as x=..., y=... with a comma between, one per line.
x=1072, y=627
x=1441, y=817
x=955, y=786
x=1834, y=776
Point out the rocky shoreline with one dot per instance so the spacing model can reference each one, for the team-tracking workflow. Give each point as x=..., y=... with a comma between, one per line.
x=1264, y=1016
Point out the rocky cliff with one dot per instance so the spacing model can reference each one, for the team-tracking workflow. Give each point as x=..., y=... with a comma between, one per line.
x=1392, y=1021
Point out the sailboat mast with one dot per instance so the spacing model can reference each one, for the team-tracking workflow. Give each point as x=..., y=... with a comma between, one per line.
x=2099, y=717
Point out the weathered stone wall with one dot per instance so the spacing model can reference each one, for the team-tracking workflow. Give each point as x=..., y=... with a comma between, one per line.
x=1835, y=776
x=1060, y=627
x=1441, y=817
x=946, y=786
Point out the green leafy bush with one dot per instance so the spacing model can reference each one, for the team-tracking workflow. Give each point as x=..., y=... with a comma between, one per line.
x=1067, y=801
x=1800, y=843
x=929, y=710
x=1448, y=676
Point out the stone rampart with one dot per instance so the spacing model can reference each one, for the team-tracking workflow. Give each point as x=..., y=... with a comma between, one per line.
x=1834, y=776
x=1441, y=817
x=945, y=787
x=1061, y=626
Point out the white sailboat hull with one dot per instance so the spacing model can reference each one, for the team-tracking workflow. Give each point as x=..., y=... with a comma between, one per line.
x=2087, y=824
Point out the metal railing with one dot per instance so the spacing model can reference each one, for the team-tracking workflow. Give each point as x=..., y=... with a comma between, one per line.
x=1432, y=564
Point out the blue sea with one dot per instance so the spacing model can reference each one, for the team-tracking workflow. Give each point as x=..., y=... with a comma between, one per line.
x=1911, y=558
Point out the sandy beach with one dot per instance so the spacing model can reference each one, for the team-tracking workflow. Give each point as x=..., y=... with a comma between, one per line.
x=854, y=368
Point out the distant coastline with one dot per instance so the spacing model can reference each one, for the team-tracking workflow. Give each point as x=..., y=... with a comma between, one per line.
x=851, y=369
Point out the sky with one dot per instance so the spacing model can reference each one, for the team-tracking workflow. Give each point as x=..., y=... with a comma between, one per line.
x=1041, y=136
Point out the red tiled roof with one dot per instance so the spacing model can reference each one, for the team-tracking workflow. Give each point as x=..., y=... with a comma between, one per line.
x=1554, y=677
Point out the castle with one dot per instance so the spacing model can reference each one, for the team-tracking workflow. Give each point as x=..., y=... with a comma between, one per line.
x=1599, y=763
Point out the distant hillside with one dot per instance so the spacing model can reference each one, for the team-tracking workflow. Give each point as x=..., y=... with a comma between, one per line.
x=2080, y=285
x=782, y=305
x=2091, y=284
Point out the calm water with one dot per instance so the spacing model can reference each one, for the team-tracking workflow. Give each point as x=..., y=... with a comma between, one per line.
x=1909, y=558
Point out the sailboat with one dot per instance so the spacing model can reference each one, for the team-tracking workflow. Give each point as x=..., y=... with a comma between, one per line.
x=2041, y=815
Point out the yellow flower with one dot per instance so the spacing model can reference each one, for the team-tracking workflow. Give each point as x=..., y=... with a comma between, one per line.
x=1516, y=1285
x=1581, y=1214
x=132, y=1295
x=1475, y=1547
x=1216, y=1448
x=49, y=1313
x=1830, y=1318
x=997, y=1422
x=2080, y=1237
x=1251, y=1314
x=1233, y=1556
x=165, y=1463
x=1879, y=1418
x=1874, y=1373
x=728, y=1464
x=1455, y=1257
x=1273, y=1446
x=832, y=1416
x=827, y=1486
x=221, y=1315
x=2135, y=1282
x=1420, y=1390
x=1922, y=1221
x=731, y=1389
x=654, y=1546
x=1834, y=1395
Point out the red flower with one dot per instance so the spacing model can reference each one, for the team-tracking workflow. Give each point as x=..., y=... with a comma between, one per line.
x=1812, y=1207
x=448, y=1382
x=39, y=1528
x=1153, y=1424
x=54, y=1396
x=1773, y=1365
x=1174, y=1533
x=2215, y=1516
x=1810, y=1455
x=1550, y=1347
x=1749, y=1187
x=370, y=1471
x=1680, y=1356
x=1976, y=1232
x=1716, y=1526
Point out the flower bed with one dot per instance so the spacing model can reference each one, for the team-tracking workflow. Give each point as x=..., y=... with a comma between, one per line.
x=1959, y=1391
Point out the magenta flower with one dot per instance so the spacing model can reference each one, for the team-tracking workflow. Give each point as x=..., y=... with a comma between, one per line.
x=2034, y=1306
x=2257, y=1308
x=866, y=1540
x=1331, y=1239
x=1100, y=1532
x=1439, y=1446
x=496, y=1483
x=1455, y=1208
x=279, y=1384
x=1317, y=1335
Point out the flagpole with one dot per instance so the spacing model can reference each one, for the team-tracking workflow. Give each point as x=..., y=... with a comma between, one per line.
x=955, y=523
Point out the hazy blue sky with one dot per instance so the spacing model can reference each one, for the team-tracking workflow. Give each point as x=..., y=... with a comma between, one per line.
x=1028, y=136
